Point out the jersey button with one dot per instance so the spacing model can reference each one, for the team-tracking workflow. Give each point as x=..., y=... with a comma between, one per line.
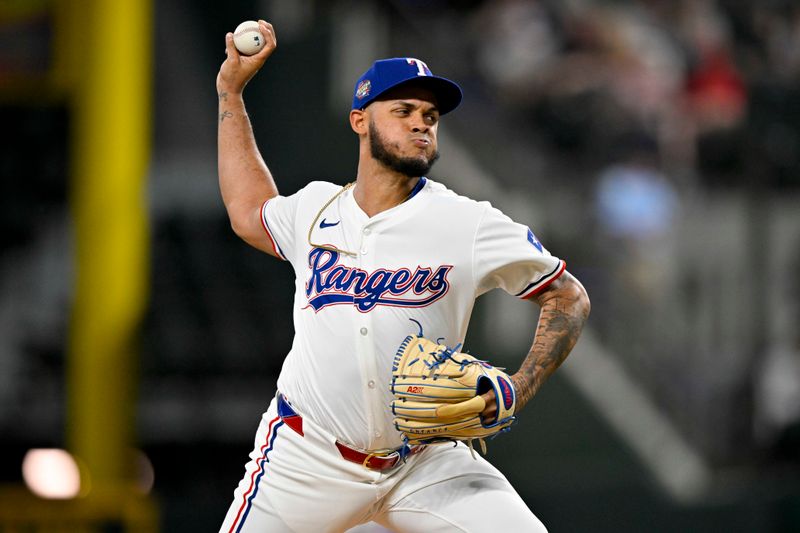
x=367, y=231
x=371, y=384
x=364, y=331
x=363, y=251
x=377, y=434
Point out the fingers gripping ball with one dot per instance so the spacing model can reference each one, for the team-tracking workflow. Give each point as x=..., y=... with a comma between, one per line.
x=248, y=38
x=437, y=394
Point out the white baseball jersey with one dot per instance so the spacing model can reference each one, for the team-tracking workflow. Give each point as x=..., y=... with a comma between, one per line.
x=426, y=259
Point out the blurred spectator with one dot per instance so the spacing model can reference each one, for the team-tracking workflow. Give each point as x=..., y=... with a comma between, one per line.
x=777, y=383
x=777, y=402
x=583, y=71
x=715, y=99
x=517, y=41
x=636, y=207
x=636, y=203
x=777, y=27
x=715, y=91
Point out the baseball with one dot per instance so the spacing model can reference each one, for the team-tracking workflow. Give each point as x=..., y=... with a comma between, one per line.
x=248, y=38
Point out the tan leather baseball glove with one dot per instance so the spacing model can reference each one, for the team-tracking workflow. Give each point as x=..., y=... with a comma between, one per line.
x=437, y=394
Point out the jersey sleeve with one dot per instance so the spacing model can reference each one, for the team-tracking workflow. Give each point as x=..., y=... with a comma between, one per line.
x=278, y=220
x=508, y=255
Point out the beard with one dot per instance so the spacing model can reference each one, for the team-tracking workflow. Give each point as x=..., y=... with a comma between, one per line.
x=413, y=167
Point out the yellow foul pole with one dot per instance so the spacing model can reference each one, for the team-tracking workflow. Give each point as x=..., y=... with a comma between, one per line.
x=111, y=96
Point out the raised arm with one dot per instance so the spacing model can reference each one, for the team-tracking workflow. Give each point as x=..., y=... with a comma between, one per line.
x=244, y=179
x=564, y=309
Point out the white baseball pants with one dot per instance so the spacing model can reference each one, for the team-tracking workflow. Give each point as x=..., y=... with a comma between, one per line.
x=301, y=484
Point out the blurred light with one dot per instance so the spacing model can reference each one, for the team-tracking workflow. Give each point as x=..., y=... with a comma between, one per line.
x=145, y=474
x=51, y=473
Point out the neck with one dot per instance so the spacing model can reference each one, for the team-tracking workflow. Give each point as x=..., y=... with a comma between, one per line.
x=380, y=189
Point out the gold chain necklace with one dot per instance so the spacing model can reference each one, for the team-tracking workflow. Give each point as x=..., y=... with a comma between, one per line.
x=331, y=248
x=319, y=214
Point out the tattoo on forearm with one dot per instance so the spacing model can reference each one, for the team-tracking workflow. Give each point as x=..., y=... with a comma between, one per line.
x=224, y=115
x=560, y=322
x=223, y=96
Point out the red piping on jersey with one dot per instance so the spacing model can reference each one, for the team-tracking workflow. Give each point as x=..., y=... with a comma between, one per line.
x=268, y=232
x=541, y=287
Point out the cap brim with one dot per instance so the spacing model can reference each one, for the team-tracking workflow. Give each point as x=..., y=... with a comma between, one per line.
x=448, y=94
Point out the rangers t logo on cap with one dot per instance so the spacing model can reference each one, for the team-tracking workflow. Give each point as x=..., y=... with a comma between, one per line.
x=422, y=68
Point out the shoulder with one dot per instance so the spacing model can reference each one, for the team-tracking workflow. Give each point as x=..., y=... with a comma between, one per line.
x=486, y=218
x=317, y=188
x=447, y=198
x=314, y=192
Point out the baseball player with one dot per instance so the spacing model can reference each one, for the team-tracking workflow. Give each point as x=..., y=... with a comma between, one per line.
x=392, y=256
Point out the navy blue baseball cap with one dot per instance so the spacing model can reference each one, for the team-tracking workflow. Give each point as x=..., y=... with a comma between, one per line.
x=386, y=74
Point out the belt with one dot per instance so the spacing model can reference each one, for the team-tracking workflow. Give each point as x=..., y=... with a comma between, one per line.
x=378, y=460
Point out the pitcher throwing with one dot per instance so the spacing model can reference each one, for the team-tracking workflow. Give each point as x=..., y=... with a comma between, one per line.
x=375, y=391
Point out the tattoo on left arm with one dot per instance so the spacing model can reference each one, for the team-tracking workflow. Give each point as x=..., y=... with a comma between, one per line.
x=224, y=115
x=564, y=310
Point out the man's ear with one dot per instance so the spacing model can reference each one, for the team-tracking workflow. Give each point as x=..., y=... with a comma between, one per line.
x=359, y=121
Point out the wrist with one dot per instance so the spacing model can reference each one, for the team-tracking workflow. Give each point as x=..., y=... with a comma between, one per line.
x=522, y=389
x=229, y=96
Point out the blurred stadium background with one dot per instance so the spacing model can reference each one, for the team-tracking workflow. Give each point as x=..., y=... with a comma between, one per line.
x=653, y=144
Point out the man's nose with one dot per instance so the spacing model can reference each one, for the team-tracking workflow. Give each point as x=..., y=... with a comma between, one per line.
x=418, y=123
